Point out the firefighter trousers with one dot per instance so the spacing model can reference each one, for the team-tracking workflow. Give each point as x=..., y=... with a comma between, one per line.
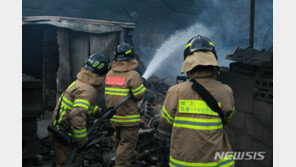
x=124, y=144
x=63, y=153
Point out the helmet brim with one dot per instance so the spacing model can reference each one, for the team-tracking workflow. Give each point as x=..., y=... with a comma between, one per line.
x=199, y=58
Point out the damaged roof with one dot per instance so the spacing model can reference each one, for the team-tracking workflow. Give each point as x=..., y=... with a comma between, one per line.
x=251, y=56
x=78, y=24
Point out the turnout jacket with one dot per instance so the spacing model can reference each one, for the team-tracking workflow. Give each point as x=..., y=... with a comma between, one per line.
x=121, y=80
x=77, y=104
x=197, y=131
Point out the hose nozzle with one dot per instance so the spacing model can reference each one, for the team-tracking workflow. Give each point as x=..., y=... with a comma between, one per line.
x=144, y=80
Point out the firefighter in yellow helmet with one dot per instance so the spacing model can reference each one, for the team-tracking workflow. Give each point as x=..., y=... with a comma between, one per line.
x=76, y=105
x=197, y=110
x=121, y=80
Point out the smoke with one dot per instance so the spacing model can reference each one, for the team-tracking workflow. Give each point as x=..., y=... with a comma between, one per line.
x=158, y=20
x=228, y=24
x=173, y=48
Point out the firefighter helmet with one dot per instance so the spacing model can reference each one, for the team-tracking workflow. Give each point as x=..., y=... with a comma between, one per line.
x=199, y=51
x=199, y=43
x=124, y=52
x=98, y=63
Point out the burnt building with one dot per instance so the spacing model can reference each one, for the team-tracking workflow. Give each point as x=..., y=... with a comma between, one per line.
x=31, y=108
x=55, y=48
x=251, y=78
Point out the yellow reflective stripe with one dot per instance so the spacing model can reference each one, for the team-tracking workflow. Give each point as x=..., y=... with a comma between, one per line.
x=70, y=134
x=96, y=64
x=66, y=103
x=128, y=118
x=71, y=85
x=79, y=133
x=101, y=65
x=139, y=90
x=129, y=51
x=117, y=94
x=188, y=45
x=202, y=120
x=196, y=107
x=56, y=125
x=166, y=115
x=230, y=116
x=81, y=103
x=183, y=163
x=225, y=162
x=116, y=91
x=62, y=113
x=132, y=120
x=211, y=43
x=95, y=109
x=198, y=123
x=134, y=90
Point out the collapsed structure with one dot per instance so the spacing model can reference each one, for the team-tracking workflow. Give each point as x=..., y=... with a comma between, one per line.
x=55, y=48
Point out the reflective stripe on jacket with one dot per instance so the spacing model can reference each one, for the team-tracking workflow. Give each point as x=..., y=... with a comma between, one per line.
x=197, y=131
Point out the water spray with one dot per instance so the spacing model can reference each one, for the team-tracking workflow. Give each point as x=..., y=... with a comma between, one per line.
x=174, y=43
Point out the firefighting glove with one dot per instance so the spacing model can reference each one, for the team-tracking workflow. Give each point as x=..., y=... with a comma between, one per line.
x=96, y=112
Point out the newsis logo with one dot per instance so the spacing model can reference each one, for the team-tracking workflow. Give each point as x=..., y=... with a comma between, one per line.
x=245, y=155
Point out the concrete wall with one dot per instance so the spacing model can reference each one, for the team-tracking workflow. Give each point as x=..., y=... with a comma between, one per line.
x=251, y=126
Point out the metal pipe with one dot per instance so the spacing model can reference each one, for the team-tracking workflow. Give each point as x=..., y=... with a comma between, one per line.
x=252, y=20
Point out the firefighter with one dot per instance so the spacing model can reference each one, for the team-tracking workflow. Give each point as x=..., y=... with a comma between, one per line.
x=121, y=80
x=197, y=130
x=76, y=104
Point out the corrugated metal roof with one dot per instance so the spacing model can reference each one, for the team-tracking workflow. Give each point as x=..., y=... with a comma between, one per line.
x=251, y=56
x=78, y=24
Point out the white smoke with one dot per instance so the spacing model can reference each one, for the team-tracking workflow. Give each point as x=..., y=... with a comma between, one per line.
x=174, y=46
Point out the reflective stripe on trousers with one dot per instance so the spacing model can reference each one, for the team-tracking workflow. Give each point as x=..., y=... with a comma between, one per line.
x=225, y=162
x=79, y=133
x=129, y=118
